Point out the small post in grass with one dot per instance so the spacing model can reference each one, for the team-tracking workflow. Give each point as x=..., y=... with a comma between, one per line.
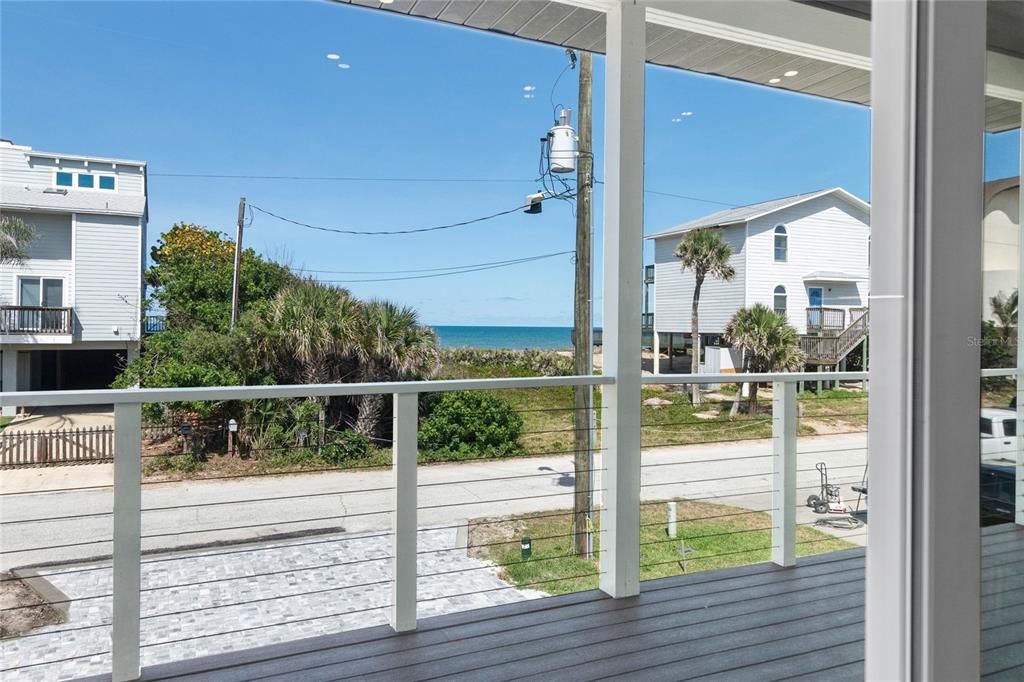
x=672, y=517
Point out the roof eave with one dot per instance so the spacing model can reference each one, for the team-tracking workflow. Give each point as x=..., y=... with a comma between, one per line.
x=90, y=159
x=35, y=208
x=676, y=233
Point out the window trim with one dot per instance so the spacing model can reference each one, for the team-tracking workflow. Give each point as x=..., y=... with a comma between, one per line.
x=42, y=278
x=96, y=178
x=785, y=299
x=780, y=231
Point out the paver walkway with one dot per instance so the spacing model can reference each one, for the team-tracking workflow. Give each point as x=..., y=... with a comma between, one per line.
x=239, y=597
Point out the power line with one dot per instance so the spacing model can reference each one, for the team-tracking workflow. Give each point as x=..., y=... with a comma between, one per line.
x=352, y=178
x=332, y=178
x=419, y=270
x=681, y=196
x=445, y=274
x=433, y=228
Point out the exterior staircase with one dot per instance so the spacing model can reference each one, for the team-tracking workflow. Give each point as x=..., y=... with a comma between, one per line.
x=830, y=350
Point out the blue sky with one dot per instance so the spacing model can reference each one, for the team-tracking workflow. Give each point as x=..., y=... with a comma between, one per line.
x=245, y=88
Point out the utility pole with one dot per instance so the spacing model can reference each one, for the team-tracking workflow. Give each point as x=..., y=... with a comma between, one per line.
x=583, y=325
x=238, y=262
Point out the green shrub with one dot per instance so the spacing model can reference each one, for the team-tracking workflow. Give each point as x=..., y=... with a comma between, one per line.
x=345, y=447
x=187, y=463
x=469, y=424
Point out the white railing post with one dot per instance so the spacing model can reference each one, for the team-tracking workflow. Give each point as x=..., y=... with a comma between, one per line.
x=784, y=419
x=403, y=466
x=623, y=272
x=127, y=541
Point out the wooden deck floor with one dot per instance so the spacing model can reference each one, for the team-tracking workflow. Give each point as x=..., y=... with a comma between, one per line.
x=752, y=623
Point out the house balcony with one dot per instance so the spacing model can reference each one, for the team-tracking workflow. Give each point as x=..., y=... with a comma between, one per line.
x=36, y=324
x=829, y=321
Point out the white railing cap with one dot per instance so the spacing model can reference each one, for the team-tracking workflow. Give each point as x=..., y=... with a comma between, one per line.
x=738, y=377
x=221, y=393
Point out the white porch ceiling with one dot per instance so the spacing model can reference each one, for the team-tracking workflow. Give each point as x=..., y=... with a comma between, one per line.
x=829, y=48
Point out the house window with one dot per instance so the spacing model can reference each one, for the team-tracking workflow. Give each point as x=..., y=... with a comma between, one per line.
x=85, y=180
x=106, y=182
x=41, y=291
x=64, y=179
x=781, y=245
x=780, y=300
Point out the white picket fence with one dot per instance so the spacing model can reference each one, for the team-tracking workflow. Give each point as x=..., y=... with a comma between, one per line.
x=63, y=446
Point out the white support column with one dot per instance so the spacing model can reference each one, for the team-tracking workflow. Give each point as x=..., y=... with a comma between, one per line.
x=784, y=413
x=9, y=375
x=656, y=343
x=1019, y=492
x=403, y=466
x=127, y=541
x=923, y=561
x=623, y=270
x=133, y=351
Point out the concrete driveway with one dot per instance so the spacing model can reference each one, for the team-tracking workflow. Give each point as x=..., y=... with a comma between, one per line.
x=68, y=417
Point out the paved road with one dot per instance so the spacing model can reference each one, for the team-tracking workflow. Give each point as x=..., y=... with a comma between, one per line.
x=44, y=527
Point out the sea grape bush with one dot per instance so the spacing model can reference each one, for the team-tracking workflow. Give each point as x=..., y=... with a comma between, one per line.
x=469, y=425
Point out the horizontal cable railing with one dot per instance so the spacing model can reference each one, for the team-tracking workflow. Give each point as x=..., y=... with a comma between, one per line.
x=730, y=485
x=222, y=541
x=205, y=536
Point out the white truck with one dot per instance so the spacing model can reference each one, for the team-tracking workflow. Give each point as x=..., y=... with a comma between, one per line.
x=998, y=435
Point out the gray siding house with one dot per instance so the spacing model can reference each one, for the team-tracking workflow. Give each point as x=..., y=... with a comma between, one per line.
x=71, y=314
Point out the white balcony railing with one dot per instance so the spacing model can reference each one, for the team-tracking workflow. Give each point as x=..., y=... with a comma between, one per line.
x=619, y=545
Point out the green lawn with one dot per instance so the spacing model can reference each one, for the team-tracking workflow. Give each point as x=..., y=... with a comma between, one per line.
x=716, y=536
x=4, y=421
x=547, y=412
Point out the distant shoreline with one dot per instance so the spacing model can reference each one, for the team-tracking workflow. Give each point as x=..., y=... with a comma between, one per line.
x=504, y=338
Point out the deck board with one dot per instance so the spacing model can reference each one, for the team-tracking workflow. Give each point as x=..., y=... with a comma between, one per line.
x=756, y=622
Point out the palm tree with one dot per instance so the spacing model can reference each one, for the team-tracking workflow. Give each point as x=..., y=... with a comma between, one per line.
x=309, y=334
x=768, y=344
x=15, y=236
x=1004, y=309
x=393, y=346
x=706, y=253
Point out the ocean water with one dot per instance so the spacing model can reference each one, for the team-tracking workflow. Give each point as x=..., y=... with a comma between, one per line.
x=515, y=338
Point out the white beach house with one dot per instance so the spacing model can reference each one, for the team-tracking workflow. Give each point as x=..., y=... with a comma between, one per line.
x=1000, y=246
x=805, y=256
x=71, y=313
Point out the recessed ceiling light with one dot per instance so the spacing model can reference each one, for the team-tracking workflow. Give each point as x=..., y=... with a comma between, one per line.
x=773, y=81
x=344, y=66
x=386, y=2
x=790, y=74
x=676, y=120
x=333, y=56
x=686, y=113
x=529, y=88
